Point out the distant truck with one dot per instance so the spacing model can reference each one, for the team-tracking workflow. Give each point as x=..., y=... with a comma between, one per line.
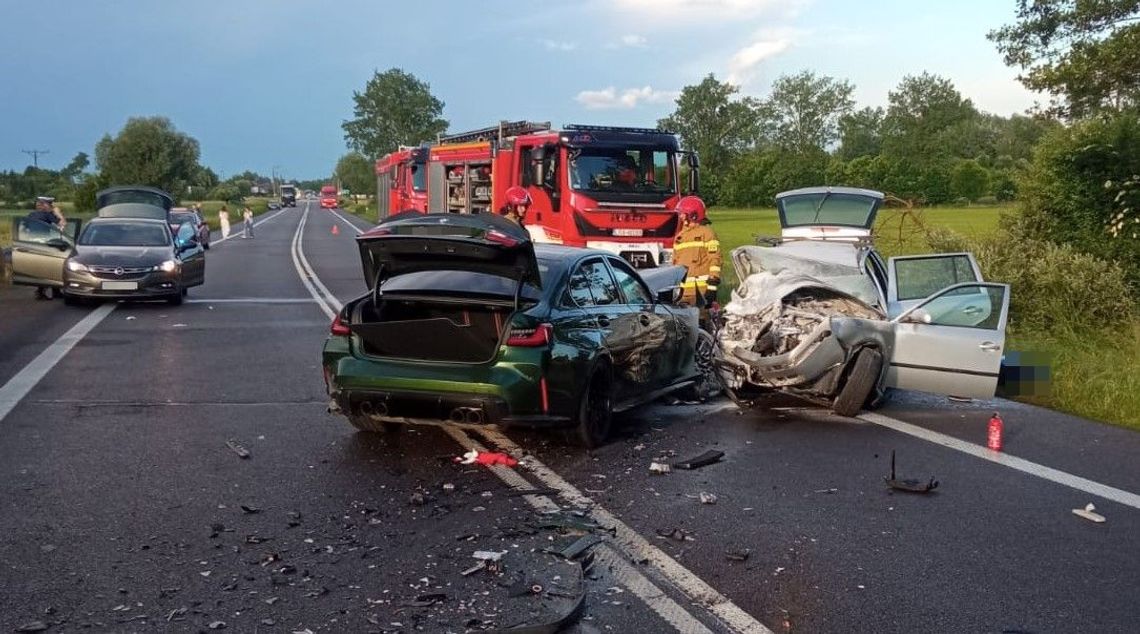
x=288, y=195
x=328, y=197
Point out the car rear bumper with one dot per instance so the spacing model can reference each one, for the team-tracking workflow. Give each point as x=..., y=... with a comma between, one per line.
x=435, y=408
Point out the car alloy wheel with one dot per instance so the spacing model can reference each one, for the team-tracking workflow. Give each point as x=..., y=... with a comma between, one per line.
x=596, y=409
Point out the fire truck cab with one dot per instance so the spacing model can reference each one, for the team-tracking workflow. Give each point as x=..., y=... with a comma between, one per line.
x=590, y=186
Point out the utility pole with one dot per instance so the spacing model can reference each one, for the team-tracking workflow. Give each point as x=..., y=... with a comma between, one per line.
x=35, y=154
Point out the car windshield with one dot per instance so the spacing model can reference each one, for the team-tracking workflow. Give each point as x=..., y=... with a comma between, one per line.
x=826, y=208
x=614, y=170
x=177, y=219
x=126, y=234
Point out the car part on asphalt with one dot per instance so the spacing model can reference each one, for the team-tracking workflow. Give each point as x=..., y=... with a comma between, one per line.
x=707, y=498
x=487, y=458
x=909, y=485
x=1089, y=514
x=705, y=459
x=242, y=452
x=737, y=555
x=659, y=467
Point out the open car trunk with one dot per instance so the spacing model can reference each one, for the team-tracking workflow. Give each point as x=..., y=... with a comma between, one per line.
x=431, y=329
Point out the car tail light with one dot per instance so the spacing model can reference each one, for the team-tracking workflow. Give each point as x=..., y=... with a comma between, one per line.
x=545, y=396
x=530, y=337
x=338, y=328
x=498, y=237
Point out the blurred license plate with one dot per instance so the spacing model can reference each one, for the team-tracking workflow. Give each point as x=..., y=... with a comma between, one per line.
x=629, y=233
x=120, y=286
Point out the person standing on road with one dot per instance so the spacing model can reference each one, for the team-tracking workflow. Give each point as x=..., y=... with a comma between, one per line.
x=43, y=216
x=697, y=248
x=247, y=215
x=224, y=221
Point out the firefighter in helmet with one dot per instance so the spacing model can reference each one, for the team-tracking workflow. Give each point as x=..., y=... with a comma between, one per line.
x=697, y=248
x=517, y=202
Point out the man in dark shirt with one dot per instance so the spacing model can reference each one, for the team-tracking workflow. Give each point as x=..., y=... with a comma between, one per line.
x=43, y=214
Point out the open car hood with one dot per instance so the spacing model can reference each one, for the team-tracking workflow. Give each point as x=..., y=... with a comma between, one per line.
x=412, y=241
x=828, y=213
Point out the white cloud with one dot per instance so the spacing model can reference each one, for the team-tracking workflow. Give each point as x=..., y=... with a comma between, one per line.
x=744, y=62
x=634, y=41
x=555, y=45
x=610, y=98
x=684, y=11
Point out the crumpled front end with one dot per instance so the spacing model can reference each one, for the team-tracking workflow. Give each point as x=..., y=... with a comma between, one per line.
x=794, y=332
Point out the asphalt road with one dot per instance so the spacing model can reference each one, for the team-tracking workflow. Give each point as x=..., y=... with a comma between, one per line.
x=123, y=509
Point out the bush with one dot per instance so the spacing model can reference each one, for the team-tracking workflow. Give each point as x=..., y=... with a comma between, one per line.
x=1054, y=288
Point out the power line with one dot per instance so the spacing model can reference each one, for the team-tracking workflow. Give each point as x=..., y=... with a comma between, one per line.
x=35, y=154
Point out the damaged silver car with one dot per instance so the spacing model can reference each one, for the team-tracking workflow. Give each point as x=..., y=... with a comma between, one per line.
x=821, y=315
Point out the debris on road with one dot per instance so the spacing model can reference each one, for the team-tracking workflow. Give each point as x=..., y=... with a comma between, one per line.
x=573, y=550
x=487, y=458
x=33, y=626
x=425, y=600
x=217, y=625
x=659, y=467
x=242, y=452
x=675, y=534
x=131, y=318
x=829, y=491
x=250, y=510
x=707, y=498
x=705, y=459
x=1089, y=514
x=909, y=485
x=543, y=491
x=737, y=555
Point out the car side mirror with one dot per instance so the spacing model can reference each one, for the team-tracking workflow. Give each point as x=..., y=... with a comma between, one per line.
x=669, y=295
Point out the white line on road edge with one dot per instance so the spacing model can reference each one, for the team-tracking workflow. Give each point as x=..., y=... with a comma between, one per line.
x=295, y=251
x=18, y=386
x=1013, y=462
x=347, y=221
x=633, y=543
x=299, y=238
x=623, y=571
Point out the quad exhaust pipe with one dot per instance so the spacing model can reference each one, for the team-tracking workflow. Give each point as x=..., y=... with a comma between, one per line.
x=469, y=415
x=368, y=408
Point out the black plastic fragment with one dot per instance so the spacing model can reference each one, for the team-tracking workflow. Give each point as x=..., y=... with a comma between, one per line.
x=910, y=485
x=709, y=457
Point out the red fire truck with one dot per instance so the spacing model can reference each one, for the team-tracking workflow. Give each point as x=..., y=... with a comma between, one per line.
x=603, y=187
x=328, y=197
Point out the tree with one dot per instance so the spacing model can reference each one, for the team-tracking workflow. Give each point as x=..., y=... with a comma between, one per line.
x=969, y=180
x=148, y=151
x=714, y=122
x=75, y=167
x=356, y=174
x=803, y=112
x=921, y=108
x=861, y=133
x=1084, y=53
x=395, y=109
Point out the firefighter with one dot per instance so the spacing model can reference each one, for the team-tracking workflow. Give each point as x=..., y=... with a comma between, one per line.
x=697, y=248
x=517, y=202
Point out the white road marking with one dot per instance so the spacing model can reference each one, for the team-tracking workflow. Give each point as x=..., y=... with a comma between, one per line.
x=18, y=386
x=637, y=546
x=304, y=273
x=1013, y=462
x=347, y=221
x=609, y=555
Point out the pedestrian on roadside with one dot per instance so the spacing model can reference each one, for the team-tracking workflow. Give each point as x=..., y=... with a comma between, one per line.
x=41, y=220
x=247, y=215
x=224, y=221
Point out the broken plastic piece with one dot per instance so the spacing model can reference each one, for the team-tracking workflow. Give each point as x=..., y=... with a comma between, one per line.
x=707, y=498
x=488, y=458
x=242, y=452
x=488, y=555
x=659, y=467
x=425, y=600
x=1088, y=514
x=737, y=555
x=910, y=485
x=474, y=569
x=709, y=457
x=580, y=546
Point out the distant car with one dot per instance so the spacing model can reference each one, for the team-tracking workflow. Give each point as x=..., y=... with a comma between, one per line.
x=468, y=322
x=821, y=315
x=113, y=258
x=180, y=215
x=273, y=205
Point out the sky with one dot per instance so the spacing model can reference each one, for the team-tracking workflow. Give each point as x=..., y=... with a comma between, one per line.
x=265, y=84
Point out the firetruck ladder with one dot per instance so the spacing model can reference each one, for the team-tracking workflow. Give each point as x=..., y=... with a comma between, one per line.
x=499, y=132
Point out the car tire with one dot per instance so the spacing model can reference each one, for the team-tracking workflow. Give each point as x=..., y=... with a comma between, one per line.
x=707, y=384
x=175, y=299
x=861, y=379
x=595, y=410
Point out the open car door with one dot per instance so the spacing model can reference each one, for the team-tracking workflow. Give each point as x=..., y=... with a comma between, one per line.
x=950, y=342
x=39, y=251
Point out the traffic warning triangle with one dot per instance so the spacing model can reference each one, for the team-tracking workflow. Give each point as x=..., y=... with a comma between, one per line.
x=335, y=230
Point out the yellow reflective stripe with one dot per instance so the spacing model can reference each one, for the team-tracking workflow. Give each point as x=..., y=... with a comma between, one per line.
x=713, y=246
x=712, y=287
x=687, y=245
x=714, y=269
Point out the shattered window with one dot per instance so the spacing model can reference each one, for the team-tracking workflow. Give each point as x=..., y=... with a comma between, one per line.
x=918, y=278
x=635, y=293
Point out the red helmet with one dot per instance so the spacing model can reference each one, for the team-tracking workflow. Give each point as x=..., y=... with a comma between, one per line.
x=517, y=196
x=692, y=208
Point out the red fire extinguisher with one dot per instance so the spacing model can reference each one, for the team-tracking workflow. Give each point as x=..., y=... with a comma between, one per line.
x=995, y=430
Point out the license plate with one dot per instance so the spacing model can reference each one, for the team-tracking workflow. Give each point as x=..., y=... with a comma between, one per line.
x=629, y=233
x=120, y=286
